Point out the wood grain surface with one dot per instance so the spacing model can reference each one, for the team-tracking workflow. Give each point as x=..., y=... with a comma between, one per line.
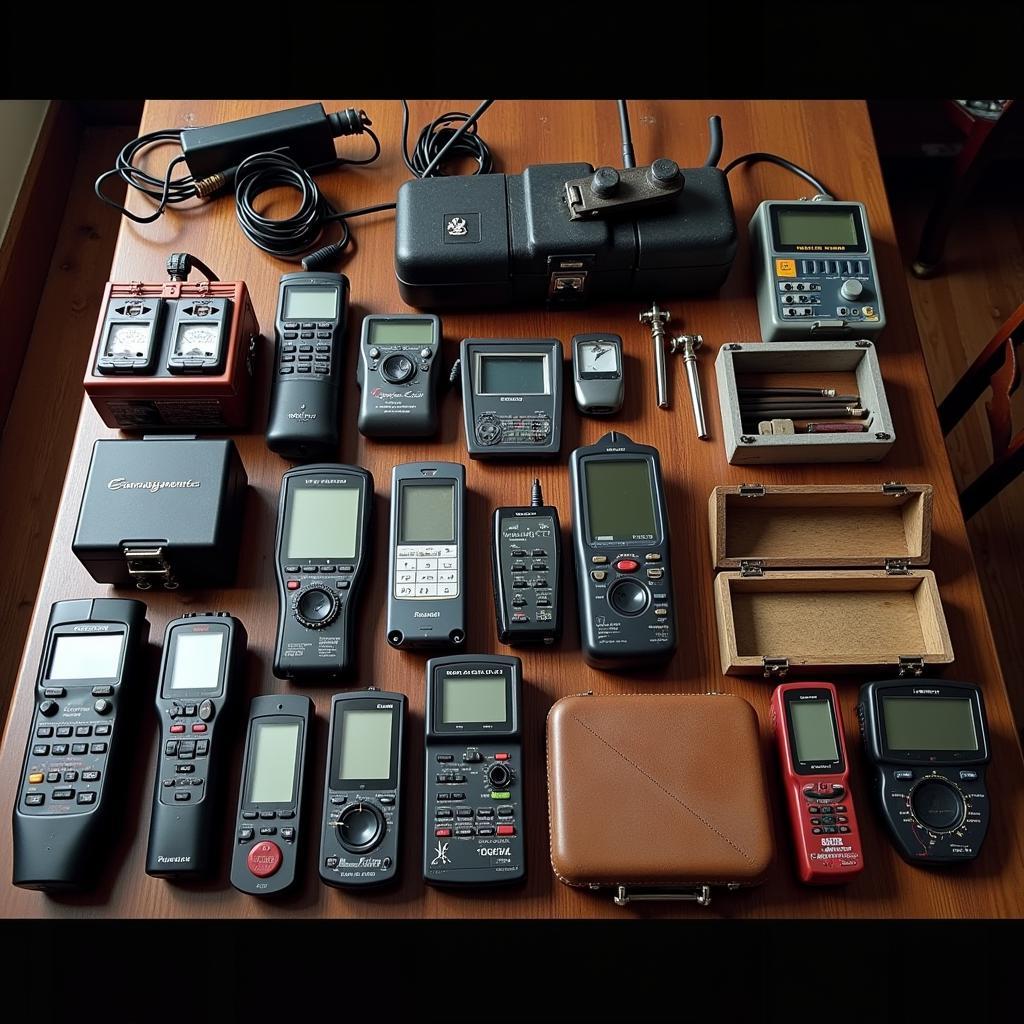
x=832, y=138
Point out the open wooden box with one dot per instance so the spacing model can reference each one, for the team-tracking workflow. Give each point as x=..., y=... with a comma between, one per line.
x=826, y=577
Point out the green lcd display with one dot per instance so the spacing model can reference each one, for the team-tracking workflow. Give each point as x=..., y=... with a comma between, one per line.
x=620, y=500
x=817, y=226
x=324, y=522
x=385, y=333
x=813, y=731
x=931, y=723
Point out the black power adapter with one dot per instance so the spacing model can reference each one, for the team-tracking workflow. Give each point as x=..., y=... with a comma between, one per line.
x=563, y=234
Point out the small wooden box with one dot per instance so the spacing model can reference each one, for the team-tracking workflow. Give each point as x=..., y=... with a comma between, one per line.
x=825, y=578
x=851, y=366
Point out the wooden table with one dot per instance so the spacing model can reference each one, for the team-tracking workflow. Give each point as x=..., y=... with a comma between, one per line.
x=834, y=140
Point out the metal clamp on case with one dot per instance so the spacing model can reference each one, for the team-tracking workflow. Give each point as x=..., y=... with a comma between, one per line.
x=657, y=796
x=162, y=512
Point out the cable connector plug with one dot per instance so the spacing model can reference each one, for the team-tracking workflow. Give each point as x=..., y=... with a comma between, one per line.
x=536, y=495
x=320, y=258
x=214, y=184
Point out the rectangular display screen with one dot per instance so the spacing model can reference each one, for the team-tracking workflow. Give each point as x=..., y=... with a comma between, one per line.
x=310, y=303
x=427, y=514
x=473, y=699
x=324, y=522
x=512, y=375
x=932, y=723
x=817, y=226
x=365, y=745
x=196, y=662
x=272, y=768
x=400, y=332
x=90, y=656
x=813, y=730
x=620, y=500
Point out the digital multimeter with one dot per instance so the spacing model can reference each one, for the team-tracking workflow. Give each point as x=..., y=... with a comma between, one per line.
x=511, y=397
x=399, y=374
x=89, y=678
x=202, y=679
x=928, y=743
x=309, y=326
x=815, y=271
x=808, y=730
x=597, y=373
x=268, y=823
x=473, y=818
x=359, y=831
x=323, y=526
x=427, y=558
x=620, y=541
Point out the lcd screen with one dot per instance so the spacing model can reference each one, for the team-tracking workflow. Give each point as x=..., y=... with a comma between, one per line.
x=400, y=332
x=310, y=303
x=272, y=773
x=813, y=730
x=365, y=745
x=512, y=375
x=427, y=514
x=323, y=523
x=817, y=226
x=930, y=723
x=620, y=500
x=87, y=656
x=196, y=661
x=473, y=699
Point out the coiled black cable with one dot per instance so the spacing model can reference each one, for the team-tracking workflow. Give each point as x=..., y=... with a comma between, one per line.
x=167, y=191
x=779, y=161
x=452, y=134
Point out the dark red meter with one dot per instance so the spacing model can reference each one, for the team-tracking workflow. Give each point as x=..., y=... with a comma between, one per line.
x=816, y=776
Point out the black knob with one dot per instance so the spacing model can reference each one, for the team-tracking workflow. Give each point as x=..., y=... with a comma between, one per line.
x=103, y=707
x=48, y=708
x=498, y=775
x=316, y=607
x=663, y=173
x=360, y=827
x=628, y=597
x=397, y=368
x=938, y=805
x=605, y=182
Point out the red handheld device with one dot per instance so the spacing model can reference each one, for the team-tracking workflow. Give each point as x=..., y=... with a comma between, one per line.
x=816, y=775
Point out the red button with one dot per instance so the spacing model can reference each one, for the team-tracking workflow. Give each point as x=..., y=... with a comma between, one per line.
x=264, y=859
x=627, y=565
x=177, y=728
x=293, y=584
x=199, y=727
x=442, y=833
x=506, y=830
x=501, y=757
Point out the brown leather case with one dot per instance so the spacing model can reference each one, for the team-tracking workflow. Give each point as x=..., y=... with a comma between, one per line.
x=657, y=790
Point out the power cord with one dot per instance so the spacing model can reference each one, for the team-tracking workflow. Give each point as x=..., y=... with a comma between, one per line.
x=167, y=191
x=771, y=158
x=439, y=140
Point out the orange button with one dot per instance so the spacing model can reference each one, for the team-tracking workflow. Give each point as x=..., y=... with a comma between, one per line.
x=293, y=584
x=501, y=757
x=35, y=778
x=785, y=268
x=264, y=859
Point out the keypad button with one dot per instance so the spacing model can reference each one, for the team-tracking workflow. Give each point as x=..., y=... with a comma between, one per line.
x=485, y=812
x=182, y=796
x=90, y=776
x=59, y=749
x=506, y=830
x=83, y=730
x=103, y=690
x=34, y=799
x=387, y=801
x=286, y=814
x=87, y=796
x=443, y=812
x=465, y=831
x=268, y=830
x=98, y=748
x=246, y=834
x=79, y=748
x=485, y=830
x=35, y=778
x=41, y=750
x=64, y=730
x=505, y=812
x=54, y=691
x=102, y=730
x=464, y=812
x=268, y=815
x=249, y=815
x=287, y=834
x=63, y=794
x=202, y=748
x=44, y=731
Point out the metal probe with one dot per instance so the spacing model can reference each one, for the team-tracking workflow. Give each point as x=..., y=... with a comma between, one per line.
x=688, y=345
x=656, y=319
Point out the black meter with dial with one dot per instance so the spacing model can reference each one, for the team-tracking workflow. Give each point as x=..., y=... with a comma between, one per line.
x=928, y=742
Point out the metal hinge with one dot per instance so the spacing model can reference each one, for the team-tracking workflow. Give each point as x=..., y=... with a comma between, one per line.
x=897, y=566
x=911, y=665
x=751, y=490
x=752, y=567
x=775, y=668
x=147, y=565
x=895, y=488
x=699, y=894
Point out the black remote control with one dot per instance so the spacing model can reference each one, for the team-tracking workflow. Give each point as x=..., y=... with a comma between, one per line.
x=67, y=805
x=268, y=823
x=526, y=568
x=359, y=832
x=309, y=327
x=202, y=678
x=473, y=816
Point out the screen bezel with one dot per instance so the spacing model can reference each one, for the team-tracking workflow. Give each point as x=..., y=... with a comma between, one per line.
x=322, y=286
x=508, y=727
x=858, y=220
x=346, y=479
x=171, y=654
x=656, y=491
x=372, y=319
x=931, y=757
x=805, y=695
x=71, y=630
x=250, y=753
x=362, y=703
x=402, y=486
x=511, y=353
